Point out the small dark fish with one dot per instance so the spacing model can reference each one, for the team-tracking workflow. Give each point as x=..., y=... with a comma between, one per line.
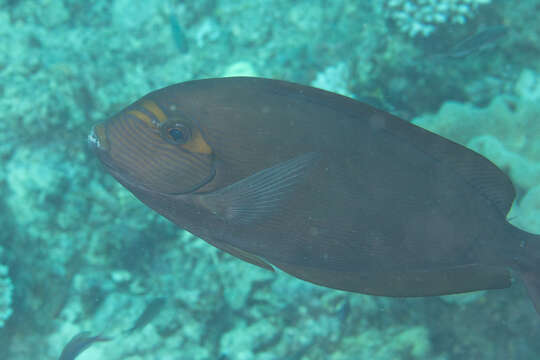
x=150, y=312
x=79, y=343
x=343, y=311
x=481, y=41
x=178, y=34
x=326, y=188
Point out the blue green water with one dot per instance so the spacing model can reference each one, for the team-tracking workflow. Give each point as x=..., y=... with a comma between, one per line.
x=80, y=253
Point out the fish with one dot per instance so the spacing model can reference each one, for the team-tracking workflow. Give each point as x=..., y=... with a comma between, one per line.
x=178, y=34
x=326, y=188
x=80, y=343
x=150, y=312
x=343, y=311
x=483, y=40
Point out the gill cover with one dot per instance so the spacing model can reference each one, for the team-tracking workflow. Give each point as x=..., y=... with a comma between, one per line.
x=159, y=149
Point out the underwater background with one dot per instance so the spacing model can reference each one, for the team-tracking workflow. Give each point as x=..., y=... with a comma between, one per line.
x=79, y=253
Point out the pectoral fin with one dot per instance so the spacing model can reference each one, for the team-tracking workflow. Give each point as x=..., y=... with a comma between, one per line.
x=260, y=194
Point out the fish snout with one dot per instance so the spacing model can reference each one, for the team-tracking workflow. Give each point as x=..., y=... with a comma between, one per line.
x=96, y=138
x=98, y=144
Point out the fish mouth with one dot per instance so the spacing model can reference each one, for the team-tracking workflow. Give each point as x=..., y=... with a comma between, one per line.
x=97, y=142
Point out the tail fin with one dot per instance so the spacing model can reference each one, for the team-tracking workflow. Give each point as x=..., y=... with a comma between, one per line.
x=529, y=267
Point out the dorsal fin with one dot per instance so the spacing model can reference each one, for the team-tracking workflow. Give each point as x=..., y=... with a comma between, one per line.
x=483, y=175
x=475, y=169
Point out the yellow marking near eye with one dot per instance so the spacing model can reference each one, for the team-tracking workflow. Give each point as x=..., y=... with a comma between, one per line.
x=197, y=144
x=143, y=117
x=154, y=109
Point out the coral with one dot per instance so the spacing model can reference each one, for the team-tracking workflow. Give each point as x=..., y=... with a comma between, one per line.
x=6, y=291
x=38, y=180
x=389, y=343
x=334, y=78
x=422, y=17
x=243, y=339
x=240, y=68
x=526, y=213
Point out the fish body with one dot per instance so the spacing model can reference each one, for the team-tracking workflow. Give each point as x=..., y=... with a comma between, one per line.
x=482, y=40
x=326, y=188
x=80, y=343
x=178, y=34
x=152, y=310
x=479, y=42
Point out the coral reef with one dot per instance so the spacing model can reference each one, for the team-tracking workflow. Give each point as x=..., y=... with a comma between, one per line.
x=85, y=255
x=422, y=17
x=6, y=291
x=334, y=78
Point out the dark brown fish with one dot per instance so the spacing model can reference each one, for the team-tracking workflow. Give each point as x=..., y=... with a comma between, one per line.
x=152, y=310
x=78, y=344
x=324, y=187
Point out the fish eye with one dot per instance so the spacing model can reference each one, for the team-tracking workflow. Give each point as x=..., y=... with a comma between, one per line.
x=175, y=133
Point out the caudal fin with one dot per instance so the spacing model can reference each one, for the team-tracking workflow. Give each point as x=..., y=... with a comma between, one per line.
x=529, y=267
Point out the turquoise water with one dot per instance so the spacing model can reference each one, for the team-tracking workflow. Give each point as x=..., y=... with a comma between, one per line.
x=80, y=253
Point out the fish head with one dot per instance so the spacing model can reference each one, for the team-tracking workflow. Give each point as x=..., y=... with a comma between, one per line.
x=154, y=147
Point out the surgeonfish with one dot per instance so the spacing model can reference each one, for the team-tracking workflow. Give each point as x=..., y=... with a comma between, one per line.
x=323, y=187
x=80, y=343
x=151, y=310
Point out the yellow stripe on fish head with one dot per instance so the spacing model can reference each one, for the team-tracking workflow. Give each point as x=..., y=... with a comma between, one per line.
x=150, y=113
x=197, y=144
x=143, y=117
x=155, y=110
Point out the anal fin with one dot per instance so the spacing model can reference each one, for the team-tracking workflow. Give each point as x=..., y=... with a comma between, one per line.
x=242, y=255
x=431, y=282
